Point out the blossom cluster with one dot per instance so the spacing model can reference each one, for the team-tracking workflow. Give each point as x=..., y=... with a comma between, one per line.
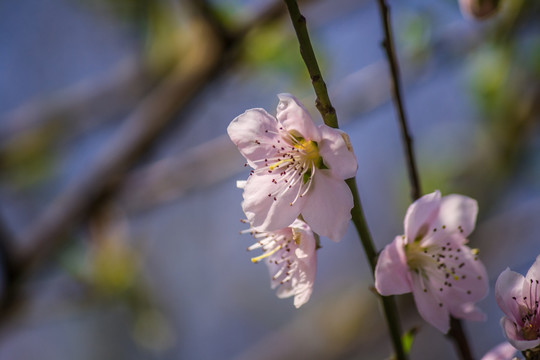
x=296, y=187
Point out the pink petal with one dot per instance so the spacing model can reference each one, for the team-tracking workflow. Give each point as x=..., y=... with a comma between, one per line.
x=262, y=211
x=248, y=133
x=391, y=271
x=295, y=118
x=468, y=311
x=468, y=277
x=430, y=308
x=503, y=351
x=421, y=214
x=530, y=290
x=510, y=331
x=457, y=214
x=509, y=285
x=337, y=153
x=328, y=206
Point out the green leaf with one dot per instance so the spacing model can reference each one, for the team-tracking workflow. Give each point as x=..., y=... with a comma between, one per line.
x=408, y=338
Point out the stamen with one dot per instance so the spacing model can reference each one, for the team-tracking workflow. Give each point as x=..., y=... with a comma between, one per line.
x=265, y=255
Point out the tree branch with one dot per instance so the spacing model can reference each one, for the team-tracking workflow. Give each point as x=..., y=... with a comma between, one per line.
x=456, y=332
x=329, y=116
x=388, y=45
x=323, y=103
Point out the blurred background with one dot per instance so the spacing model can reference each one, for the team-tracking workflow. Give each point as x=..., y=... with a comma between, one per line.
x=119, y=214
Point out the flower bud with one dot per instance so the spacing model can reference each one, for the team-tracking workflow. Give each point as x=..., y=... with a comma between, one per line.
x=478, y=9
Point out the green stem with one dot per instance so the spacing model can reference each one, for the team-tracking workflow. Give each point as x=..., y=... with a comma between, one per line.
x=323, y=103
x=329, y=116
x=388, y=302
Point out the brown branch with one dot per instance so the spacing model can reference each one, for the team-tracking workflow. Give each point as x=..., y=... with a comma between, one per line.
x=388, y=44
x=456, y=333
x=69, y=108
x=136, y=136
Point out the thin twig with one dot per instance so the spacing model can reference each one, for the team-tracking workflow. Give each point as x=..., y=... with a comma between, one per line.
x=329, y=116
x=456, y=333
x=388, y=44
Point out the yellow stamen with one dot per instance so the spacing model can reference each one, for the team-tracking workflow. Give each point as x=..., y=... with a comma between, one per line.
x=272, y=167
x=265, y=255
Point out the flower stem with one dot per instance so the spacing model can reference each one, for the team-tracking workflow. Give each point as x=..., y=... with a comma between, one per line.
x=456, y=332
x=388, y=45
x=329, y=116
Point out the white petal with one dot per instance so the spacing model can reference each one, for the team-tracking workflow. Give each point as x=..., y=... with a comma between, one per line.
x=509, y=284
x=241, y=184
x=328, y=206
x=262, y=211
x=430, y=308
x=421, y=214
x=391, y=272
x=301, y=270
x=307, y=271
x=307, y=239
x=295, y=118
x=457, y=214
x=337, y=153
x=510, y=331
x=248, y=133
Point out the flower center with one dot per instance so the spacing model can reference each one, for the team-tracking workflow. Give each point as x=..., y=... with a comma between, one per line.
x=529, y=332
x=310, y=151
x=528, y=310
x=291, y=165
x=416, y=258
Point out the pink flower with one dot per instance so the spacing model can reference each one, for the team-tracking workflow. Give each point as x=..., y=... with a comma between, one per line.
x=432, y=261
x=503, y=351
x=298, y=168
x=518, y=298
x=291, y=259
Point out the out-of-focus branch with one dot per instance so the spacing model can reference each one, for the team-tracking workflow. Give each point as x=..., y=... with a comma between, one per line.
x=170, y=178
x=388, y=44
x=138, y=133
x=68, y=109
